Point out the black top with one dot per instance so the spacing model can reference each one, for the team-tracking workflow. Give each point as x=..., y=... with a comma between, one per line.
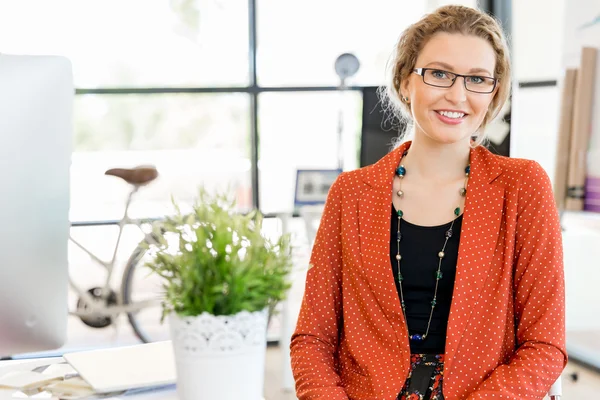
x=419, y=249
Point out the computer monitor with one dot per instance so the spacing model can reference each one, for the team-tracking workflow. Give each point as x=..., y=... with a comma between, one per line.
x=36, y=99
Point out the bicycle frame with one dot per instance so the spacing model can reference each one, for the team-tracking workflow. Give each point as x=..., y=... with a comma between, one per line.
x=99, y=308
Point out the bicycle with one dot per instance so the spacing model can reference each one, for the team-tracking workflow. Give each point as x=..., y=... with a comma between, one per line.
x=99, y=307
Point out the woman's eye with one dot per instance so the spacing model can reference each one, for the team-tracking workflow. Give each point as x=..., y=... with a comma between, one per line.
x=476, y=79
x=439, y=74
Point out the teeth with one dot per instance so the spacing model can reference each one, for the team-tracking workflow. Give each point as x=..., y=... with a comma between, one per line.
x=451, y=114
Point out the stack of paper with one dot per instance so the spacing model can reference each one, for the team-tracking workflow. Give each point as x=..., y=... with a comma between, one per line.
x=48, y=381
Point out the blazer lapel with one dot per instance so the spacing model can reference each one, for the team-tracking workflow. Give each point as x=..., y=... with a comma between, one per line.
x=374, y=217
x=479, y=235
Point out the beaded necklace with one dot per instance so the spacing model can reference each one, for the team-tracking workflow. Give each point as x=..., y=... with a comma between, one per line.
x=400, y=172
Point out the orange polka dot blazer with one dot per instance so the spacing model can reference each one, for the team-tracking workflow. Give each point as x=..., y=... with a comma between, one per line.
x=506, y=333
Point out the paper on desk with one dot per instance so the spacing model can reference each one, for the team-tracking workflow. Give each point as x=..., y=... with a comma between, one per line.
x=73, y=388
x=6, y=394
x=64, y=370
x=27, y=380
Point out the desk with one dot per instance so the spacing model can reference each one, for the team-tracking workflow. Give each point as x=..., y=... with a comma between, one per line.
x=168, y=393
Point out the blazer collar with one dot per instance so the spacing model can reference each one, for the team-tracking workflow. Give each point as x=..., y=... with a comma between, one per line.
x=482, y=217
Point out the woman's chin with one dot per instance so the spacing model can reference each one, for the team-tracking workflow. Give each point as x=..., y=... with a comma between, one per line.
x=450, y=137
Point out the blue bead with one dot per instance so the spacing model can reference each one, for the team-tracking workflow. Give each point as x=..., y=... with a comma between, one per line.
x=468, y=169
x=400, y=171
x=416, y=338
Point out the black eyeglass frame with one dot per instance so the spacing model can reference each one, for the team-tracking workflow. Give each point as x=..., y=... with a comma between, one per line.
x=421, y=72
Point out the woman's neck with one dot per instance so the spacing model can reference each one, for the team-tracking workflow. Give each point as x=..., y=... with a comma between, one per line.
x=437, y=163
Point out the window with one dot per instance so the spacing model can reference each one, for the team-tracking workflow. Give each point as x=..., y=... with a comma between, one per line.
x=192, y=139
x=134, y=43
x=300, y=131
x=433, y=4
x=298, y=42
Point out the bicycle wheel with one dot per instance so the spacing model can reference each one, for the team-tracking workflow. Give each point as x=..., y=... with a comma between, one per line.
x=140, y=285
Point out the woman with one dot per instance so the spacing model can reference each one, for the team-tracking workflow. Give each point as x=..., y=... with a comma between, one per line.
x=440, y=266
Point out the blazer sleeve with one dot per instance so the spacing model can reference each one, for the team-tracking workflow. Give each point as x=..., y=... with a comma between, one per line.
x=314, y=343
x=539, y=298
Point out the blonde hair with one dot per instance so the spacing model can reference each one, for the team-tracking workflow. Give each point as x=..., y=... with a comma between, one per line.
x=448, y=19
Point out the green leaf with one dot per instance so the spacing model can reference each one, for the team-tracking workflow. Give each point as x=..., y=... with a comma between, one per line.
x=224, y=264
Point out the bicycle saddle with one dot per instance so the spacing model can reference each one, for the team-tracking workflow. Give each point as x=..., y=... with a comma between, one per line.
x=135, y=176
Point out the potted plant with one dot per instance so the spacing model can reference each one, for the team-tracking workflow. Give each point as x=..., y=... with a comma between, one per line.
x=222, y=278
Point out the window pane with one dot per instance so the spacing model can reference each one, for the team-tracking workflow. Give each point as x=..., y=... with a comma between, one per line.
x=299, y=131
x=433, y=4
x=298, y=42
x=191, y=139
x=134, y=43
x=161, y=121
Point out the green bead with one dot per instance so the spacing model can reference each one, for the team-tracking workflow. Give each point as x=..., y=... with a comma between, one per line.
x=400, y=213
x=400, y=277
x=433, y=303
x=457, y=211
x=439, y=275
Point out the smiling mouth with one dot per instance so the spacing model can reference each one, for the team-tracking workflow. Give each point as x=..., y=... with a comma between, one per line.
x=452, y=114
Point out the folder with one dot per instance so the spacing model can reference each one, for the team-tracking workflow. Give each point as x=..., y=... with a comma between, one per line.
x=564, y=137
x=581, y=129
x=124, y=368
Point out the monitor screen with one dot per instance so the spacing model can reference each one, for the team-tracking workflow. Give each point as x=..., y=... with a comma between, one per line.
x=36, y=96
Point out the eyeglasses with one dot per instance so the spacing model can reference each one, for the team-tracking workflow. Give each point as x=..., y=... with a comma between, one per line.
x=445, y=79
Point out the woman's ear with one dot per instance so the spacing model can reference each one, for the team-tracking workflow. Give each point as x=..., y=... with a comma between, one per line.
x=405, y=89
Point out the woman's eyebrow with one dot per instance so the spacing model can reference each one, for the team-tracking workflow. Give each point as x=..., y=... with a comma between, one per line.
x=451, y=69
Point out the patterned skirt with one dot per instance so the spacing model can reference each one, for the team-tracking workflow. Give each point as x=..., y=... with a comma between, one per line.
x=425, y=378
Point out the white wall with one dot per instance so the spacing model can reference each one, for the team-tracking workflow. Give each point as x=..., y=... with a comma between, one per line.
x=538, y=27
x=581, y=252
x=535, y=120
x=538, y=31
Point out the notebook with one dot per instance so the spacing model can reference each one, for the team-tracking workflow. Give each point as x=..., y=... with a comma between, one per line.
x=124, y=368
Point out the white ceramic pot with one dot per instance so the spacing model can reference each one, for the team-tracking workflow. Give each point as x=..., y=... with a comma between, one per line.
x=220, y=357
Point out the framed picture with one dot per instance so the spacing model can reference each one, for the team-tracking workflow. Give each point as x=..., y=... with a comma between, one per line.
x=312, y=185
